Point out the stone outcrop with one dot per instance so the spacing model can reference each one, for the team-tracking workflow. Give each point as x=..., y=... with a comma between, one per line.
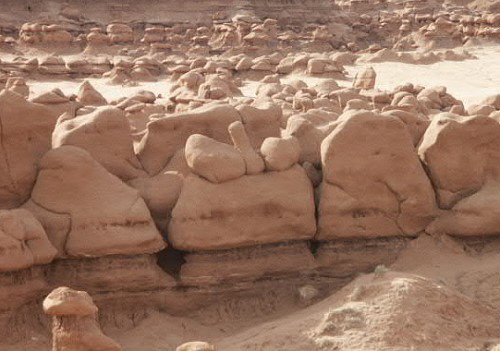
x=254, y=163
x=170, y=132
x=23, y=241
x=452, y=141
x=215, y=161
x=251, y=210
x=359, y=196
x=88, y=95
x=365, y=79
x=25, y=130
x=105, y=133
x=310, y=128
x=86, y=211
x=75, y=325
x=461, y=156
x=280, y=153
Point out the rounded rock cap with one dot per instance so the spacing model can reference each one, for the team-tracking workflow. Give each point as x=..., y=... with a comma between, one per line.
x=64, y=301
x=196, y=346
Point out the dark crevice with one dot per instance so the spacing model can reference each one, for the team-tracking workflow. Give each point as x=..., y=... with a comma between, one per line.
x=171, y=260
x=313, y=246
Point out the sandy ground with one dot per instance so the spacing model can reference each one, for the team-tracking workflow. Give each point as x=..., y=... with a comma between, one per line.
x=469, y=80
x=437, y=296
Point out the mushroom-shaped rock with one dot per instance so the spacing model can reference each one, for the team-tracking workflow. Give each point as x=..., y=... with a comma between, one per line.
x=75, y=325
x=88, y=95
x=23, y=241
x=254, y=163
x=365, y=79
x=196, y=346
x=213, y=160
x=87, y=211
x=105, y=134
x=269, y=207
x=64, y=301
x=373, y=182
x=280, y=153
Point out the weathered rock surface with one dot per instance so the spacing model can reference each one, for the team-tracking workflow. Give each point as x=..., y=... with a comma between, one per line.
x=86, y=211
x=254, y=209
x=23, y=241
x=168, y=134
x=88, y=95
x=365, y=79
x=215, y=161
x=280, y=153
x=310, y=128
x=254, y=163
x=75, y=325
x=461, y=155
x=25, y=130
x=105, y=134
x=360, y=197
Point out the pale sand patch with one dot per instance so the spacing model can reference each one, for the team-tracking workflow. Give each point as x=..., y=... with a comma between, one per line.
x=470, y=80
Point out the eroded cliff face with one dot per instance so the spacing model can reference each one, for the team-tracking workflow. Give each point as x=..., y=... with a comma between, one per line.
x=165, y=11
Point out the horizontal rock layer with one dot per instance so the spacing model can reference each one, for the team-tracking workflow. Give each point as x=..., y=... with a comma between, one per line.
x=171, y=10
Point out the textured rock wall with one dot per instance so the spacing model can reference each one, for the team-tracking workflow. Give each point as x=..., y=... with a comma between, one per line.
x=168, y=10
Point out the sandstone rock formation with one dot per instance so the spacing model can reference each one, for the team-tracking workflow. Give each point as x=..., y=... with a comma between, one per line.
x=235, y=133
x=88, y=95
x=25, y=130
x=254, y=163
x=170, y=133
x=86, y=211
x=23, y=241
x=215, y=161
x=250, y=210
x=280, y=153
x=75, y=325
x=359, y=198
x=104, y=133
x=365, y=79
x=468, y=194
